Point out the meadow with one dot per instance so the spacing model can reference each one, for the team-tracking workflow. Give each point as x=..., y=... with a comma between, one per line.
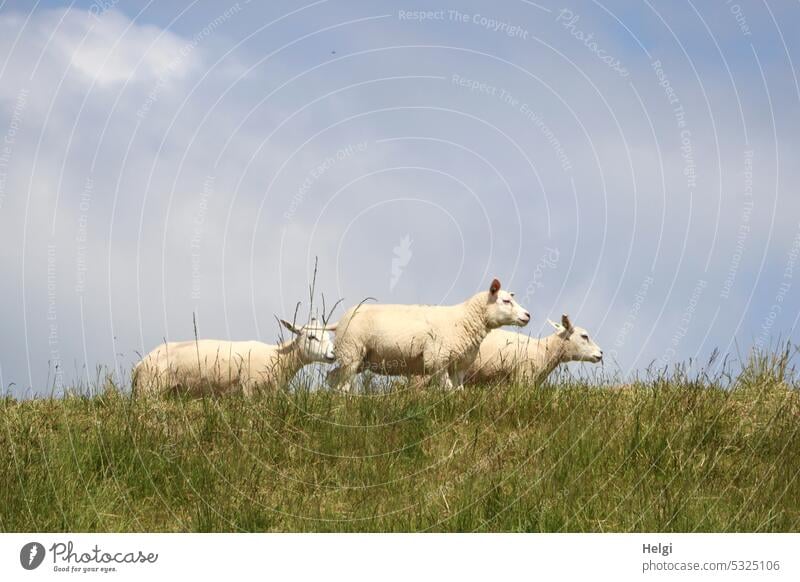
x=669, y=451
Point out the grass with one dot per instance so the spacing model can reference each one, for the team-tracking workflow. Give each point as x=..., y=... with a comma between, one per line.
x=668, y=452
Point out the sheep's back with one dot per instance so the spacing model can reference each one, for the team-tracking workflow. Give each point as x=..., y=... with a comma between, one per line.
x=500, y=354
x=204, y=366
x=375, y=323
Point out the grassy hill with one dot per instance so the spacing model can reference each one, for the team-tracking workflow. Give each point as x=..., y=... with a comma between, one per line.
x=665, y=453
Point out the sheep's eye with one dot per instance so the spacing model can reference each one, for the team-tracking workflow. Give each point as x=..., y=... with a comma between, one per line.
x=586, y=337
x=313, y=338
x=506, y=300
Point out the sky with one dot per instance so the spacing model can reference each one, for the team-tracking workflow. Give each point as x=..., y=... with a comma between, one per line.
x=631, y=164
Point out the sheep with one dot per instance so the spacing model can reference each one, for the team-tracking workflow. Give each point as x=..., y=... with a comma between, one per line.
x=505, y=355
x=219, y=367
x=420, y=339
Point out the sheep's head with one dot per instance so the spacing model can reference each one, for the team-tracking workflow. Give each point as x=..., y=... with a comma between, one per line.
x=503, y=309
x=314, y=341
x=577, y=346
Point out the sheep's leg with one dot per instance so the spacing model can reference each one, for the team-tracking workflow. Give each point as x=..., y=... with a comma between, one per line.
x=434, y=367
x=342, y=376
x=443, y=378
x=348, y=374
x=418, y=382
x=438, y=374
x=457, y=379
x=332, y=377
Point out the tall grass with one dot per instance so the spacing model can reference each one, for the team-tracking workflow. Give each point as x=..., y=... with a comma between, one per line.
x=666, y=452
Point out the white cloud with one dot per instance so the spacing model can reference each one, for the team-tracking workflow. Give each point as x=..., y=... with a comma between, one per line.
x=106, y=50
x=110, y=49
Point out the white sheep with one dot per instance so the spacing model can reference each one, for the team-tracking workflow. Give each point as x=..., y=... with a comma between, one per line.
x=420, y=339
x=507, y=355
x=218, y=367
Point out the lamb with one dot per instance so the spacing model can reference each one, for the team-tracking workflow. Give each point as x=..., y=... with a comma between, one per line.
x=420, y=339
x=507, y=355
x=219, y=367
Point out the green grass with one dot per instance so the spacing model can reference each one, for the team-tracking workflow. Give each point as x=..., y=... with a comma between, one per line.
x=665, y=453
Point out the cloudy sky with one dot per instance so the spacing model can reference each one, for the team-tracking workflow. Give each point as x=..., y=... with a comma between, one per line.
x=631, y=164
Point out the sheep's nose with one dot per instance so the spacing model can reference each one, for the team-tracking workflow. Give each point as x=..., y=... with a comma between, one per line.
x=527, y=315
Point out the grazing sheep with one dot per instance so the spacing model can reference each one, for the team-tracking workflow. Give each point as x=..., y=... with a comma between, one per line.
x=219, y=367
x=504, y=354
x=420, y=339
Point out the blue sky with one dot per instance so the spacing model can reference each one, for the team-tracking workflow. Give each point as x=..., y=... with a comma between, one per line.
x=633, y=165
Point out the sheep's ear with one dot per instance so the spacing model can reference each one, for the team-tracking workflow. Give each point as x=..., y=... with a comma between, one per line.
x=495, y=287
x=566, y=323
x=289, y=326
x=331, y=327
